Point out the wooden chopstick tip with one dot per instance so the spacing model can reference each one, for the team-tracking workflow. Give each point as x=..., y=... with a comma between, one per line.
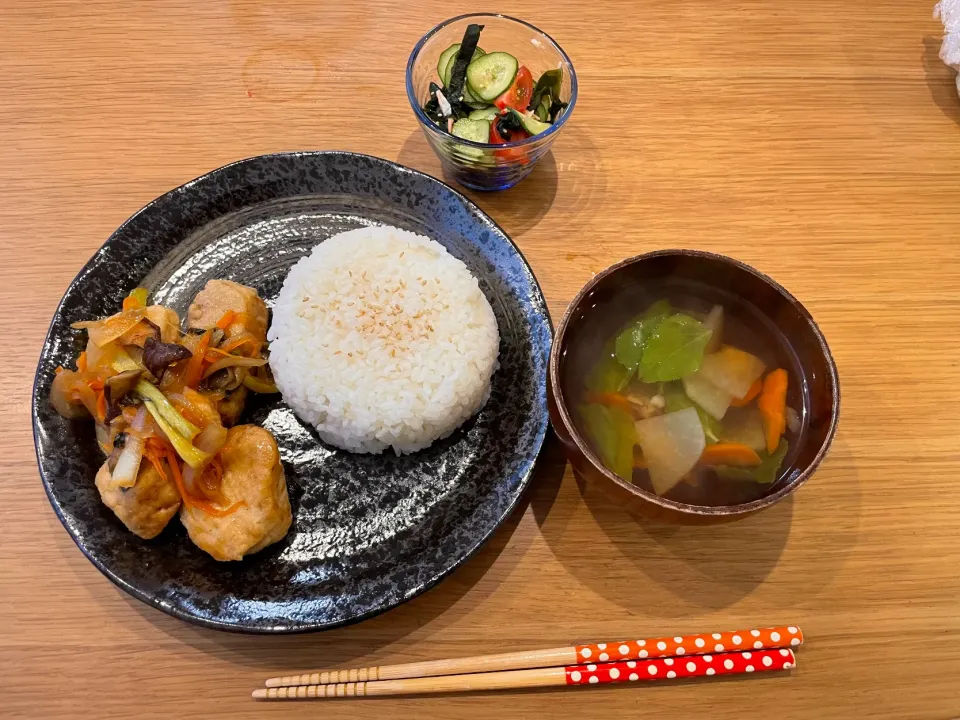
x=259, y=694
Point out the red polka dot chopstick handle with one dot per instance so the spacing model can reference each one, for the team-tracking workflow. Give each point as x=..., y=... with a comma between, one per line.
x=757, y=639
x=590, y=674
x=681, y=667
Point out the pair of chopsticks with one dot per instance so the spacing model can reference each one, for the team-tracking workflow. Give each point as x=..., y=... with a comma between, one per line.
x=707, y=655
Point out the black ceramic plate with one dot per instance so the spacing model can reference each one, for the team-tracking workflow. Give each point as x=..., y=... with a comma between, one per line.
x=369, y=531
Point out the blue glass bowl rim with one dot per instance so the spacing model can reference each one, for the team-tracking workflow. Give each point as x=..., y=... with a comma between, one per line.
x=428, y=123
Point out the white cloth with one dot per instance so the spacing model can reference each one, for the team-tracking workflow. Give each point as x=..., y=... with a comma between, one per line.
x=948, y=11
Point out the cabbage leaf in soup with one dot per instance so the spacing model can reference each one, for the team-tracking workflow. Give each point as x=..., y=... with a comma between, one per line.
x=612, y=433
x=608, y=375
x=674, y=349
x=630, y=343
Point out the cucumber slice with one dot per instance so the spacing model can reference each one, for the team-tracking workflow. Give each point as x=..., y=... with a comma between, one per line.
x=531, y=124
x=445, y=63
x=468, y=97
x=543, y=112
x=490, y=75
x=487, y=113
x=472, y=129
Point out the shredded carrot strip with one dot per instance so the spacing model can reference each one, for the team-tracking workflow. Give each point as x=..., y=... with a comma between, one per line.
x=211, y=479
x=227, y=320
x=82, y=361
x=191, y=501
x=96, y=384
x=101, y=406
x=194, y=372
x=239, y=342
x=154, y=450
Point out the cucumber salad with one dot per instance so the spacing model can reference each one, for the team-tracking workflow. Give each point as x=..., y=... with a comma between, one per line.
x=489, y=97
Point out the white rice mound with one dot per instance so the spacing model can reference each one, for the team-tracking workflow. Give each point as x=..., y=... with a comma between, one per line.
x=381, y=338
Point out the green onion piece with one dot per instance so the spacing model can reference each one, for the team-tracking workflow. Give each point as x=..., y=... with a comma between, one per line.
x=191, y=456
x=258, y=385
x=122, y=362
x=140, y=295
x=170, y=414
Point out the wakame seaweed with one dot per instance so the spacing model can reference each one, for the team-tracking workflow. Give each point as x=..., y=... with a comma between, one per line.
x=432, y=106
x=548, y=84
x=508, y=122
x=458, y=73
x=556, y=109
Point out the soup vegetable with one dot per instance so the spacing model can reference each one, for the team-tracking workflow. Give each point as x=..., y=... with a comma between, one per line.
x=671, y=406
x=489, y=97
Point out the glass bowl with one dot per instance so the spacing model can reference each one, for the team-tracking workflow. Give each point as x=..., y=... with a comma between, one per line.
x=482, y=166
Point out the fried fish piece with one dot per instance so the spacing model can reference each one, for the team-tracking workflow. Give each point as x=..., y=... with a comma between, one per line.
x=253, y=475
x=221, y=296
x=145, y=508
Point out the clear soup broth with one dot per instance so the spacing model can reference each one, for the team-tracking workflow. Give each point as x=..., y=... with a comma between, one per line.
x=687, y=391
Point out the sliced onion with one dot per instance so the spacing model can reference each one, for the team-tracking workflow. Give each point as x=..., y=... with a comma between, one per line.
x=109, y=329
x=139, y=419
x=191, y=482
x=63, y=398
x=166, y=319
x=213, y=437
x=128, y=464
x=233, y=361
x=100, y=357
x=87, y=396
x=195, y=486
x=103, y=438
x=242, y=340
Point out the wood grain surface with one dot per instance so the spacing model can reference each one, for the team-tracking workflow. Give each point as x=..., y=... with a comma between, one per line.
x=817, y=140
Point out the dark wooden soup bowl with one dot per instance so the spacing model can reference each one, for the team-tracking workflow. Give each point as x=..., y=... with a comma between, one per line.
x=588, y=318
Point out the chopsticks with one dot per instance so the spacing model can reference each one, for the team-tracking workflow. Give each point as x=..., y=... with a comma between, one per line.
x=784, y=636
x=741, y=651
x=692, y=666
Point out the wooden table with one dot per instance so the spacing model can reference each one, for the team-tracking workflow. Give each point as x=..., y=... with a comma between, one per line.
x=817, y=141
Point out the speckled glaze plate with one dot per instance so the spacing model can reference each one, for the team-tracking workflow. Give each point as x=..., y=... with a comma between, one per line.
x=369, y=532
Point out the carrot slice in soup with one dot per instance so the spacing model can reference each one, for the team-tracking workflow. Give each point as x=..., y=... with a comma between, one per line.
x=610, y=399
x=729, y=454
x=773, y=405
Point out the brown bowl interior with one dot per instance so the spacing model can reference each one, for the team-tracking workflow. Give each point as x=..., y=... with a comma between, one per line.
x=592, y=317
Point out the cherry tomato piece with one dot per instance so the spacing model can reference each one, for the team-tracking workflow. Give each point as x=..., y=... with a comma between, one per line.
x=518, y=95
